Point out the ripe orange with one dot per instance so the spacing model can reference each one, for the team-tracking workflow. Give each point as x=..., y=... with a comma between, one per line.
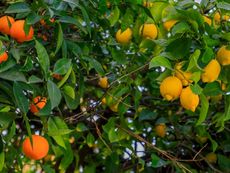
x=57, y=76
x=5, y=24
x=38, y=149
x=38, y=103
x=17, y=32
x=3, y=57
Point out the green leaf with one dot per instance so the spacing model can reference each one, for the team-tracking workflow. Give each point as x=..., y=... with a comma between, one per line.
x=179, y=47
x=157, y=161
x=96, y=65
x=21, y=100
x=34, y=79
x=224, y=163
x=54, y=94
x=81, y=127
x=6, y=118
x=20, y=7
x=60, y=132
x=180, y=28
x=114, y=16
x=160, y=61
x=13, y=75
x=193, y=65
x=52, y=126
x=71, y=20
x=196, y=89
x=223, y=5
x=32, y=18
x=147, y=114
x=212, y=89
x=2, y=160
x=90, y=140
x=59, y=39
x=43, y=58
x=208, y=55
x=1, y=144
x=203, y=109
x=62, y=66
x=11, y=133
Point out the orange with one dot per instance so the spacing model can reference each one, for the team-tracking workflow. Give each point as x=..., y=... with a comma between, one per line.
x=3, y=57
x=38, y=103
x=5, y=24
x=57, y=76
x=103, y=82
x=17, y=32
x=160, y=130
x=38, y=149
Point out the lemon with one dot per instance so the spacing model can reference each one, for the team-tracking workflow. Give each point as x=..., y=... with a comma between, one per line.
x=148, y=30
x=124, y=37
x=207, y=20
x=211, y=157
x=211, y=71
x=103, y=82
x=170, y=88
x=188, y=99
x=183, y=76
x=223, y=56
x=160, y=130
x=169, y=24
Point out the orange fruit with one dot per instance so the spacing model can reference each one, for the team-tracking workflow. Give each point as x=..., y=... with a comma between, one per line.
x=38, y=149
x=103, y=82
x=18, y=33
x=3, y=57
x=38, y=103
x=5, y=24
x=57, y=76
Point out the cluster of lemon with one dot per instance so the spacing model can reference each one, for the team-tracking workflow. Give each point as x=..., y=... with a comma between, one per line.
x=171, y=87
x=147, y=30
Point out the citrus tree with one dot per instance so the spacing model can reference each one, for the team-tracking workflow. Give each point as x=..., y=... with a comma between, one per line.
x=114, y=86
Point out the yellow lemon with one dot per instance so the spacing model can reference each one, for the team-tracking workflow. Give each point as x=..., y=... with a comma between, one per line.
x=217, y=17
x=211, y=157
x=103, y=82
x=188, y=99
x=148, y=30
x=148, y=4
x=160, y=130
x=183, y=76
x=211, y=71
x=223, y=56
x=114, y=107
x=169, y=24
x=207, y=20
x=170, y=88
x=124, y=37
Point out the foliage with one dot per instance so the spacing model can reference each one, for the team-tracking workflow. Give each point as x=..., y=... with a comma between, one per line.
x=74, y=46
